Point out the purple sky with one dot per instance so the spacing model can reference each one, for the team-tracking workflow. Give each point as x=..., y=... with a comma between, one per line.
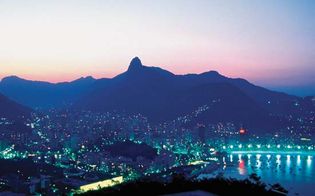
x=271, y=43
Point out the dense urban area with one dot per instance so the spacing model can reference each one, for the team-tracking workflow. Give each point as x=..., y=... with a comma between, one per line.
x=63, y=151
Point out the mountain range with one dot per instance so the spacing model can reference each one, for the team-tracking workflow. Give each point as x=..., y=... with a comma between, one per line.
x=44, y=95
x=162, y=96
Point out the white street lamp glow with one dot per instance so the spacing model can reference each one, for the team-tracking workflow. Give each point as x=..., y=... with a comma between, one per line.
x=299, y=159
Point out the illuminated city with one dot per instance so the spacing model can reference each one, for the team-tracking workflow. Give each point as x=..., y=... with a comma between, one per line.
x=60, y=139
x=219, y=101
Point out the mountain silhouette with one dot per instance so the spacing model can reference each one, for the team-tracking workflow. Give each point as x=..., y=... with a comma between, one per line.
x=44, y=95
x=12, y=110
x=163, y=96
x=135, y=64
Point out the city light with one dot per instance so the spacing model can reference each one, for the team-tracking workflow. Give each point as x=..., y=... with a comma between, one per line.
x=309, y=161
x=101, y=184
x=198, y=162
x=135, y=132
x=298, y=159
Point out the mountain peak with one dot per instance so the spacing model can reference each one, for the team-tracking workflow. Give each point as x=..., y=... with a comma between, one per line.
x=11, y=78
x=85, y=78
x=135, y=64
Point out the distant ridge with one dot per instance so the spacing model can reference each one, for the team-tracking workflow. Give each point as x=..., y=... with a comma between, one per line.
x=44, y=95
x=162, y=96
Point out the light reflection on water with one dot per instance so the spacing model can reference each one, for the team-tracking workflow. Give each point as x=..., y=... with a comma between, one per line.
x=294, y=172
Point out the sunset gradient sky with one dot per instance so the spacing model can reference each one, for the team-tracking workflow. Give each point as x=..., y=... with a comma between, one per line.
x=269, y=42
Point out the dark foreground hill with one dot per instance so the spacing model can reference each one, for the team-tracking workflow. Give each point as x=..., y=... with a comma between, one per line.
x=12, y=110
x=217, y=186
